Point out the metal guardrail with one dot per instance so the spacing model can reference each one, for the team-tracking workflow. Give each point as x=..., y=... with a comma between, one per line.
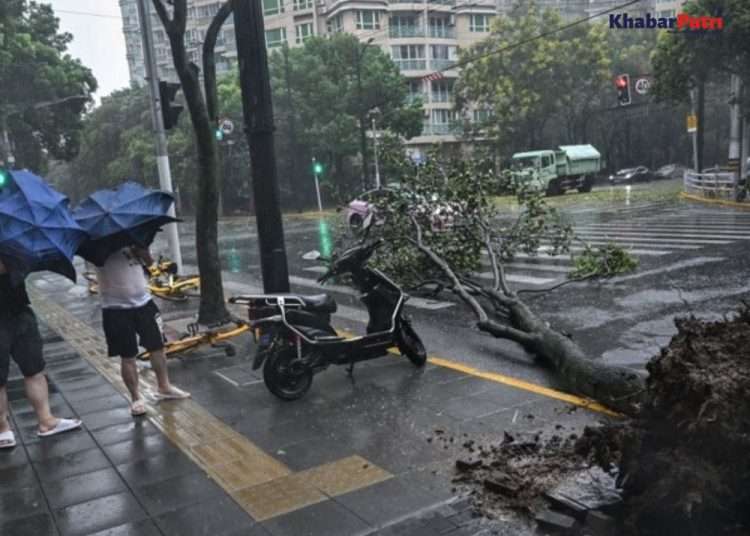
x=721, y=184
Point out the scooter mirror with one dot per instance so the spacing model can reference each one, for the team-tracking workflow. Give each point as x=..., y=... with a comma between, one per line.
x=313, y=255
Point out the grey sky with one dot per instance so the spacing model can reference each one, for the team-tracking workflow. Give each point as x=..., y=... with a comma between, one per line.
x=97, y=41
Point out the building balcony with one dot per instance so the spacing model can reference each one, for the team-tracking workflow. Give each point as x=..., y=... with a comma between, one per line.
x=397, y=32
x=411, y=98
x=445, y=129
x=442, y=32
x=411, y=65
x=441, y=64
x=441, y=97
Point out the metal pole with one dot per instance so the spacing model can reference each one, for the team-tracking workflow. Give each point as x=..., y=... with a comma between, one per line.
x=258, y=112
x=362, y=134
x=317, y=187
x=375, y=148
x=693, y=98
x=735, y=124
x=162, y=155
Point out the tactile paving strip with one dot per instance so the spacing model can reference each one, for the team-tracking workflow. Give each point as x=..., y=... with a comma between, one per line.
x=262, y=485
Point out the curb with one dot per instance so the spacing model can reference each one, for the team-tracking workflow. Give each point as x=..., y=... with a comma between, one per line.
x=724, y=202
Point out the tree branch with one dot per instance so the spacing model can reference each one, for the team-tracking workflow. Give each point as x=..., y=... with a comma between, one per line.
x=161, y=11
x=458, y=288
x=209, y=60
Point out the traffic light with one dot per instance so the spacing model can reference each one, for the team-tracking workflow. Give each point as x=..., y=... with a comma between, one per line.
x=317, y=167
x=219, y=134
x=170, y=112
x=622, y=84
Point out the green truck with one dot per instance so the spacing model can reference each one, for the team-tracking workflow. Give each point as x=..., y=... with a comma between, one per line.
x=571, y=166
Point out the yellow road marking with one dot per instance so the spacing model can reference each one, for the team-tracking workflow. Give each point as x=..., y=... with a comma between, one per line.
x=725, y=202
x=496, y=377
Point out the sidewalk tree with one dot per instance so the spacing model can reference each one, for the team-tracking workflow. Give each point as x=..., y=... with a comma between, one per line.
x=419, y=253
x=38, y=80
x=173, y=16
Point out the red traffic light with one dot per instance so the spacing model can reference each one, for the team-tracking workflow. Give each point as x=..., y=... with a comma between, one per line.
x=622, y=84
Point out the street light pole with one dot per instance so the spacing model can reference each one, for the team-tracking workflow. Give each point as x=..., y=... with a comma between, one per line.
x=362, y=121
x=162, y=154
x=375, y=149
x=255, y=84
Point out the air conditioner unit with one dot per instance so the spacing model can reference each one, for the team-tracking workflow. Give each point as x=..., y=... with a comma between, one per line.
x=452, y=20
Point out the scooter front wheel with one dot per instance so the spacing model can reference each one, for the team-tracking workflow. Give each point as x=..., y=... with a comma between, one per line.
x=286, y=376
x=410, y=345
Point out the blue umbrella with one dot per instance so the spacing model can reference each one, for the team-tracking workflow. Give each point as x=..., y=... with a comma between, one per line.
x=129, y=215
x=37, y=230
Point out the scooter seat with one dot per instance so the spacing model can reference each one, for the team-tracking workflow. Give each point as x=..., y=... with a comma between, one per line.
x=318, y=303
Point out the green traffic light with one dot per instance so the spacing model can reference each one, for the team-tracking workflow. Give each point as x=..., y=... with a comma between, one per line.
x=4, y=178
x=318, y=168
x=219, y=134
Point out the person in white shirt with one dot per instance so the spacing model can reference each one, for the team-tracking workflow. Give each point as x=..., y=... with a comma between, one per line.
x=130, y=317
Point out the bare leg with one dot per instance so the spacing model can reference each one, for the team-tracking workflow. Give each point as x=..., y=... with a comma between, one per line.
x=159, y=365
x=4, y=425
x=37, y=391
x=129, y=371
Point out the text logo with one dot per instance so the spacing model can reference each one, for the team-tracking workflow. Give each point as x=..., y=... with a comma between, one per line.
x=683, y=21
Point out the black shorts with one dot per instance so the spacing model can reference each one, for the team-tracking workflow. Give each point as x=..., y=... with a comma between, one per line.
x=20, y=339
x=125, y=329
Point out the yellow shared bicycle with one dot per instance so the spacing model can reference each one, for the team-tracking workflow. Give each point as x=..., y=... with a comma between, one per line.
x=163, y=282
x=195, y=338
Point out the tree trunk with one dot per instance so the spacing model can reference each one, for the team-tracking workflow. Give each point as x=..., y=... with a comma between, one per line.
x=212, y=307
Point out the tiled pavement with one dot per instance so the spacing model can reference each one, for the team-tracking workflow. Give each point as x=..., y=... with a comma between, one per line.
x=351, y=458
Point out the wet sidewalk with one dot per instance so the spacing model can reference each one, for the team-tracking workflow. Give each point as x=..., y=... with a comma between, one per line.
x=351, y=458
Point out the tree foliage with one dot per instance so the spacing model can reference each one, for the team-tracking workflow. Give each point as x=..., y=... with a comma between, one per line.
x=37, y=74
x=532, y=80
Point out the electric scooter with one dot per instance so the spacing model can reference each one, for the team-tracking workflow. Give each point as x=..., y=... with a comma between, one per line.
x=294, y=333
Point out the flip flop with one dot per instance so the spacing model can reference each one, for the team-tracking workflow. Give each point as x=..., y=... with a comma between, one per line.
x=63, y=425
x=7, y=440
x=138, y=408
x=175, y=394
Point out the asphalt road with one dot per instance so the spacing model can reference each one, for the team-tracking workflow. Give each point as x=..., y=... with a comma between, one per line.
x=693, y=259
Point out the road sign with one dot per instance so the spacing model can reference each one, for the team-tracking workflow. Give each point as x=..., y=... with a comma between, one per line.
x=226, y=126
x=642, y=86
x=692, y=123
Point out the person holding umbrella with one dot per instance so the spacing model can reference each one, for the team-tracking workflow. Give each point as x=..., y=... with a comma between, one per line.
x=121, y=224
x=37, y=233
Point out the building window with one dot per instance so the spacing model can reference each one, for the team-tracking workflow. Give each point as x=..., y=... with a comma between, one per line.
x=409, y=57
x=335, y=24
x=303, y=31
x=479, y=23
x=368, y=20
x=441, y=27
x=273, y=7
x=480, y=116
x=275, y=37
x=404, y=26
x=302, y=4
x=442, y=90
x=442, y=56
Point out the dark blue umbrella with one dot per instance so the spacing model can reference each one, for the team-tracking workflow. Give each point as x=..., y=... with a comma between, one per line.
x=129, y=215
x=37, y=230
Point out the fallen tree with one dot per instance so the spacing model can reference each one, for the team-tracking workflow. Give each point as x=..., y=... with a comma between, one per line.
x=680, y=467
x=445, y=211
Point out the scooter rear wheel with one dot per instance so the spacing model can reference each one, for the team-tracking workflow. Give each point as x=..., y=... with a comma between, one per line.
x=286, y=376
x=410, y=345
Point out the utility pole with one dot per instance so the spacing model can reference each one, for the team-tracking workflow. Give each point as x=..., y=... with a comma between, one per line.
x=6, y=150
x=362, y=121
x=258, y=112
x=162, y=156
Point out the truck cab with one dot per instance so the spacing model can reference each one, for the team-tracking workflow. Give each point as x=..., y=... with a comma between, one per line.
x=538, y=166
